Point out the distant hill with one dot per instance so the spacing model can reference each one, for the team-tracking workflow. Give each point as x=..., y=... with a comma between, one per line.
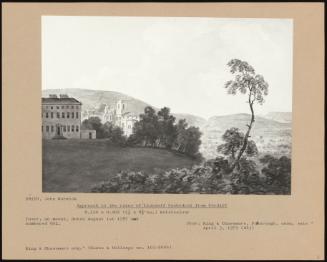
x=241, y=120
x=271, y=132
x=270, y=136
x=283, y=117
x=192, y=120
x=94, y=99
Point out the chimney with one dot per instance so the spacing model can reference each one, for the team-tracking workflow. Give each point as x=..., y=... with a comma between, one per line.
x=63, y=96
x=53, y=96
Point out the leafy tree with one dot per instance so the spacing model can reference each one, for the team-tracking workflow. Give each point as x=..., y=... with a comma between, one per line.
x=167, y=130
x=233, y=139
x=133, y=140
x=246, y=167
x=107, y=129
x=94, y=123
x=147, y=128
x=246, y=81
x=188, y=139
x=219, y=165
x=277, y=171
x=160, y=130
x=192, y=140
x=180, y=139
x=116, y=136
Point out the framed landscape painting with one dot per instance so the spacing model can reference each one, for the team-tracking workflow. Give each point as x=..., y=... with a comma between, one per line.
x=163, y=131
x=167, y=105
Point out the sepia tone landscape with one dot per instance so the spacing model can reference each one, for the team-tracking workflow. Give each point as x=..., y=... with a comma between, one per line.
x=86, y=165
x=272, y=131
x=167, y=105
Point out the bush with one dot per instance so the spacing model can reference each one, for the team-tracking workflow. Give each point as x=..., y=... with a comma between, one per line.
x=219, y=165
x=199, y=179
x=278, y=173
x=132, y=140
x=116, y=137
x=212, y=177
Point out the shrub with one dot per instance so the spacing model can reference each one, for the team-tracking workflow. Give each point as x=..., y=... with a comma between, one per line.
x=219, y=165
x=180, y=180
x=133, y=140
x=210, y=177
x=277, y=172
x=116, y=137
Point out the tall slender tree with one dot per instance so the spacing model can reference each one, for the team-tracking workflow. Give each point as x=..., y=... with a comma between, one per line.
x=246, y=81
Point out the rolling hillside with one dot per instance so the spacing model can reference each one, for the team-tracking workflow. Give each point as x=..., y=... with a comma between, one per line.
x=270, y=136
x=271, y=132
x=283, y=117
x=94, y=99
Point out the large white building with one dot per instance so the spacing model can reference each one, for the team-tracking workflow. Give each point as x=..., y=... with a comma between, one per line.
x=119, y=114
x=61, y=117
x=125, y=118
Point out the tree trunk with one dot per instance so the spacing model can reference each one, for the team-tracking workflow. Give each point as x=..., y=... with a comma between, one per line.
x=246, y=137
x=233, y=153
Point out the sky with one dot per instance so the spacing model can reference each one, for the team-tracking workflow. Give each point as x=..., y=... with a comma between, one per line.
x=178, y=62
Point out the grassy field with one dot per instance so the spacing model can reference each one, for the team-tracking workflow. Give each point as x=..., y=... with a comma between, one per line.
x=76, y=165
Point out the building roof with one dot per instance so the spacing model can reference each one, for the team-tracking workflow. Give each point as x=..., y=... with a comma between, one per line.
x=60, y=100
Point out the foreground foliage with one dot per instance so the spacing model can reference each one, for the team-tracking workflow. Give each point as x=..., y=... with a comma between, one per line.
x=209, y=178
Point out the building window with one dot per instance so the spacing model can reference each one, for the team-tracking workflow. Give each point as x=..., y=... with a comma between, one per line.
x=72, y=128
x=64, y=128
x=46, y=114
x=51, y=114
x=68, y=128
x=76, y=114
x=67, y=107
x=42, y=129
x=63, y=115
x=72, y=114
x=76, y=128
x=52, y=129
x=62, y=107
x=52, y=107
x=67, y=114
x=58, y=115
x=57, y=107
x=72, y=107
x=47, y=128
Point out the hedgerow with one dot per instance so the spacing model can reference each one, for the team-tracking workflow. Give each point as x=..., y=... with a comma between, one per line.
x=202, y=179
